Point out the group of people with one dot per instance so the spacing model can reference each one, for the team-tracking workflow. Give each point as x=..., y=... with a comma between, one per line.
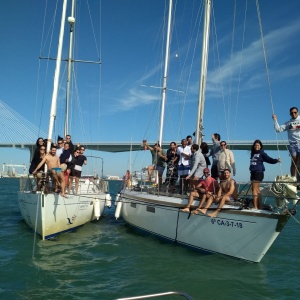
x=190, y=162
x=64, y=162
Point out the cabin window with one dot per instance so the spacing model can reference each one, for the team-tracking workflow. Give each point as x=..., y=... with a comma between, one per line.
x=151, y=209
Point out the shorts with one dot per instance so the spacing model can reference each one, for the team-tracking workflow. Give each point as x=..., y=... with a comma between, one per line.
x=257, y=176
x=183, y=170
x=56, y=170
x=77, y=173
x=160, y=169
x=294, y=149
x=214, y=171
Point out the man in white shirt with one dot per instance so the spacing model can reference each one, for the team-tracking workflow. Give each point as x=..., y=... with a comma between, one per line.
x=184, y=153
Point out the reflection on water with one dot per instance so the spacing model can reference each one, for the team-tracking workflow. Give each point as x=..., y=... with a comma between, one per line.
x=107, y=260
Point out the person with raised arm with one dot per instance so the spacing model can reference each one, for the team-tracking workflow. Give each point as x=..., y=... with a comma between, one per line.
x=293, y=129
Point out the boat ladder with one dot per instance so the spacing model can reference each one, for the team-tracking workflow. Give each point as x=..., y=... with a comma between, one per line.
x=158, y=295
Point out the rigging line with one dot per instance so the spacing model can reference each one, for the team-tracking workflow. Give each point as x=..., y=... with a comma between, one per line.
x=167, y=100
x=267, y=69
x=35, y=224
x=77, y=99
x=100, y=70
x=39, y=68
x=231, y=58
x=219, y=67
x=240, y=71
x=93, y=30
x=51, y=29
x=197, y=23
x=265, y=56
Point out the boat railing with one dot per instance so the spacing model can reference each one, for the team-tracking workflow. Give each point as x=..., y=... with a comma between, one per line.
x=27, y=184
x=177, y=293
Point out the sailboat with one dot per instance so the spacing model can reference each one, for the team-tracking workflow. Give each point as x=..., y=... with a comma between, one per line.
x=50, y=214
x=237, y=231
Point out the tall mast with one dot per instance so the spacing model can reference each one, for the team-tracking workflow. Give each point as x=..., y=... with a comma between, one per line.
x=56, y=75
x=71, y=21
x=164, y=87
x=203, y=74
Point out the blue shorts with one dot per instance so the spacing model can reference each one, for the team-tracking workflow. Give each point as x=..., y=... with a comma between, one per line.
x=56, y=170
x=294, y=149
x=160, y=169
x=183, y=170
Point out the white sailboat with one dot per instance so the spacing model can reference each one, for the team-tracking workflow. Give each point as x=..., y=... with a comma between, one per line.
x=237, y=231
x=50, y=214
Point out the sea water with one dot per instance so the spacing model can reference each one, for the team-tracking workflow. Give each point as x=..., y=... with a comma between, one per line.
x=107, y=260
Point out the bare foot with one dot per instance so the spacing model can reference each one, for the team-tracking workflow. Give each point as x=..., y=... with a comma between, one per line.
x=186, y=209
x=194, y=212
x=214, y=214
x=202, y=210
x=63, y=195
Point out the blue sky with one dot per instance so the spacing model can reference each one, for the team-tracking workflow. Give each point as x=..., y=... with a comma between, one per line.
x=238, y=104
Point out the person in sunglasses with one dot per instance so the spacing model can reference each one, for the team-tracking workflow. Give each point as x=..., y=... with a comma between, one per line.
x=225, y=160
x=293, y=129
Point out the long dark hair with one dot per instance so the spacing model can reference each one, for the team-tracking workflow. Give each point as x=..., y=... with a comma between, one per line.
x=253, y=149
x=204, y=148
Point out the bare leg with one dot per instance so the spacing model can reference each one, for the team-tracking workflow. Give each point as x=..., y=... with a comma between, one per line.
x=208, y=204
x=222, y=202
x=191, y=199
x=259, y=202
x=70, y=183
x=255, y=192
x=293, y=165
x=55, y=179
x=76, y=184
x=62, y=183
x=159, y=181
x=202, y=201
x=150, y=169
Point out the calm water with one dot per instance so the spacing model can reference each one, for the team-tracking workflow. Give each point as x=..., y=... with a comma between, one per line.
x=107, y=260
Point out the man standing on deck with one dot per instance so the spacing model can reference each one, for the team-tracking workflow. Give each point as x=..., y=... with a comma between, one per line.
x=214, y=152
x=184, y=153
x=293, y=128
x=52, y=162
x=158, y=161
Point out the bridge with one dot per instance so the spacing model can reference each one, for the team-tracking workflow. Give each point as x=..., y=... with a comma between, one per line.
x=18, y=132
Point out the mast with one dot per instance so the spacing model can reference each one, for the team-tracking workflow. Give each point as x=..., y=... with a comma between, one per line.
x=71, y=21
x=203, y=74
x=164, y=87
x=56, y=75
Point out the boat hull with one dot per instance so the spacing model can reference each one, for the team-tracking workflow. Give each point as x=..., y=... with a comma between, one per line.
x=51, y=214
x=242, y=234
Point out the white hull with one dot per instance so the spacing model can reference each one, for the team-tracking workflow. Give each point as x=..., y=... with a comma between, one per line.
x=243, y=234
x=51, y=214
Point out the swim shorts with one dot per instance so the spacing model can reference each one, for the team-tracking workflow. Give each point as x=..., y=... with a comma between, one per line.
x=57, y=170
x=294, y=149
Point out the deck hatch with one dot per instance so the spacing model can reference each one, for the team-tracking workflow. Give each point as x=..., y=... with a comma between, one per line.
x=151, y=209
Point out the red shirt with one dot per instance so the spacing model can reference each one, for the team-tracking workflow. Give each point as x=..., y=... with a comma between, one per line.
x=210, y=184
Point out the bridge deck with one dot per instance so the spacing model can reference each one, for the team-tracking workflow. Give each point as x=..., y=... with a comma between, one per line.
x=135, y=146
